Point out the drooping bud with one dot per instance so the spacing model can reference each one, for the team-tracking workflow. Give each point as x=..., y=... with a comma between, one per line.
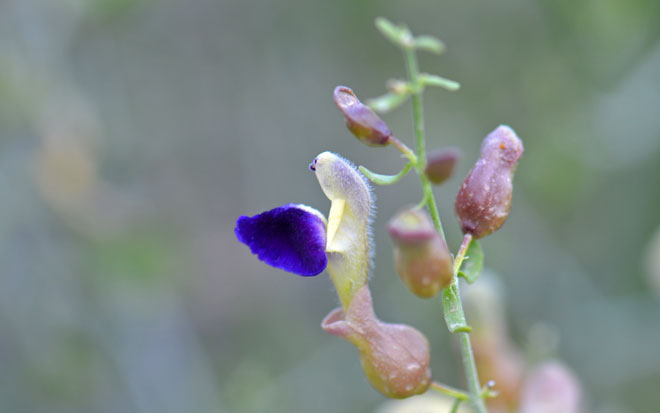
x=551, y=387
x=421, y=256
x=395, y=357
x=440, y=164
x=484, y=199
x=360, y=119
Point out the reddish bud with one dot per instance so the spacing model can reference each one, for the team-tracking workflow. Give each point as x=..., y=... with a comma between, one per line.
x=440, y=164
x=551, y=387
x=395, y=357
x=360, y=119
x=421, y=256
x=484, y=199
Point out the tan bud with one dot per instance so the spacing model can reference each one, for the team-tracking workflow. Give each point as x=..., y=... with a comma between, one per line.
x=421, y=256
x=395, y=357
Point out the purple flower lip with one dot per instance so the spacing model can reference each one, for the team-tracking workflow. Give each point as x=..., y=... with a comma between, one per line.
x=312, y=166
x=290, y=237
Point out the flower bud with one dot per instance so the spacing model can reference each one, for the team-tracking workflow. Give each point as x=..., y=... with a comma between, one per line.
x=440, y=164
x=395, y=357
x=551, y=387
x=484, y=199
x=360, y=119
x=421, y=256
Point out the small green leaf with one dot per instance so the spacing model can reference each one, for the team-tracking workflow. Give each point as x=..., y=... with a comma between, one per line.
x=439, y=81
x=473, y=263
x=399, y=35
x=379, y=179
x=429, y=44
x=387, y=102
x=454, y=316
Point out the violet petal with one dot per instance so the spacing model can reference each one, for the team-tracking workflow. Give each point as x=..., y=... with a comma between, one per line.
x=290, y=237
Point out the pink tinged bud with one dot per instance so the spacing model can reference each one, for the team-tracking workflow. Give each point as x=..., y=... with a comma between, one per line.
x=421, y=256
x=484, y=199
x=395, y=357
x=440, y=165
x=360, y=119
x=549, y=388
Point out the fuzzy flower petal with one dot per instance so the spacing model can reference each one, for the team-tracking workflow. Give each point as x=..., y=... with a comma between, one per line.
x=291, y=237
x=348, y=243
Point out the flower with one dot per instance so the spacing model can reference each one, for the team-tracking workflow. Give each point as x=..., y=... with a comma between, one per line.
x=296, y=238
x=299, y=239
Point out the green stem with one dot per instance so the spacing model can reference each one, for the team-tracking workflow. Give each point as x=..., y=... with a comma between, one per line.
x=430, y=201
x=454, y=407
x=418, y=120
x=470, y=370
x=418, y=115
x=460, y=255
x=467, y=357
x=449, y=391
x=404, y=149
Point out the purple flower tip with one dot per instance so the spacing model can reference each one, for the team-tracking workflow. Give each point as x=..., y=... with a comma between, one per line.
x=290, y=237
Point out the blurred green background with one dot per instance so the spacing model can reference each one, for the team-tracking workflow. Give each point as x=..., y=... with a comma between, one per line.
x=133, y=133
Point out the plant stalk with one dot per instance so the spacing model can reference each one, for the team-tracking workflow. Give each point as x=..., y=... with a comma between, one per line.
x=449, y=391
x=467, y=356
